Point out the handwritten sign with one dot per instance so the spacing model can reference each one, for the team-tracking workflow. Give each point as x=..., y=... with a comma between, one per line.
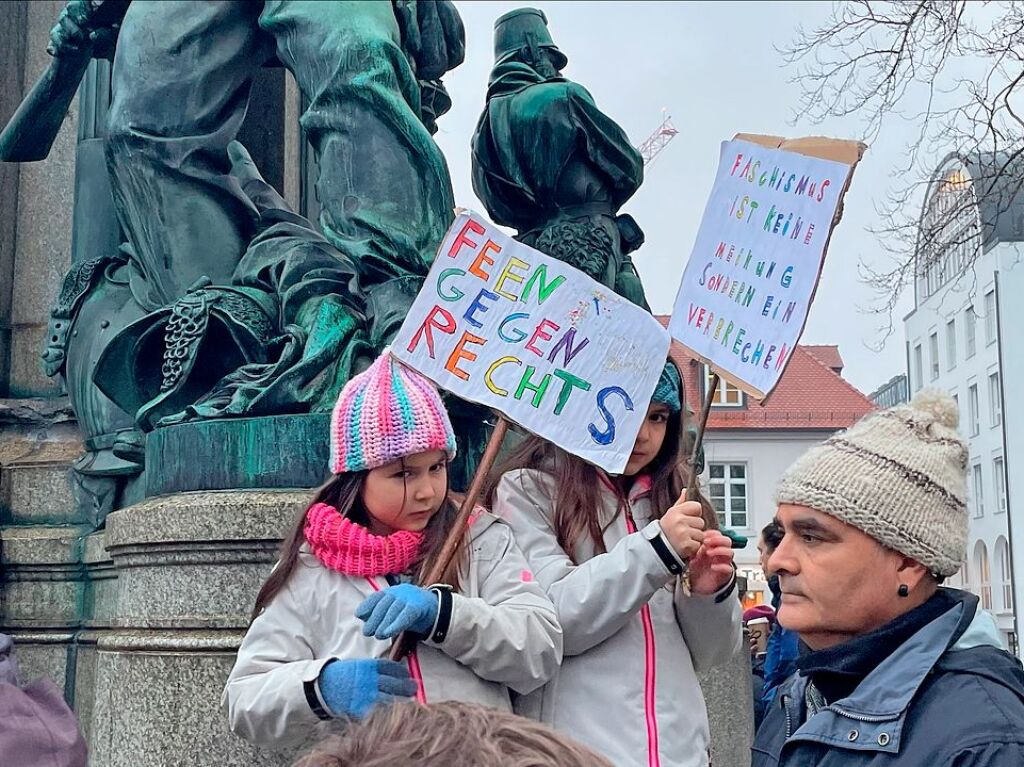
x=748, y=285
x=504, y=325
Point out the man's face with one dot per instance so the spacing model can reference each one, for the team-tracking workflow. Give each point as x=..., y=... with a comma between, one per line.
x=837, y=582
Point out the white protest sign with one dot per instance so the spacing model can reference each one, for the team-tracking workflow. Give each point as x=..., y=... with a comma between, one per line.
x=747, y=288
x=502, y=324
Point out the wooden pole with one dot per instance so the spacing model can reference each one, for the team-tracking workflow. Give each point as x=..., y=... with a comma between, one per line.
x=404, y=642
x=692, y=483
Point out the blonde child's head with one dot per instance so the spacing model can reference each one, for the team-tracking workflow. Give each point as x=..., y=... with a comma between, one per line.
x=445, y=735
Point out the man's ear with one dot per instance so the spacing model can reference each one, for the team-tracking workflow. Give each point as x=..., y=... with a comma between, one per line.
x=911, y=572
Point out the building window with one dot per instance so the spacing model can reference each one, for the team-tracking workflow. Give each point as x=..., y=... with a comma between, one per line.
x=951, y=344
x=999, y=481
x=949, y=232
x=979, y=491
x=972, y=410
x=729, y=493
x=984, y=575
x=970, y=332
x=933, y=349
x=995, y=400
x=1003, y=568
x=990, y=317
x=726, y=395
x=918, y=368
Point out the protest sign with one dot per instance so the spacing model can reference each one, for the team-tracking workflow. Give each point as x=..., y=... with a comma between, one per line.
x=567, y=358
x=748, y=285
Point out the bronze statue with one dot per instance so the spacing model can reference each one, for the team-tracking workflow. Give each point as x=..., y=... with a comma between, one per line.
x=211, y=298
x=182, y=71
x=550, y=164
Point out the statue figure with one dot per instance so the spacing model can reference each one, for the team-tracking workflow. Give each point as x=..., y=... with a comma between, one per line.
x=180, y=85
x=548, y=163
x=282, y=334
x=182, y=71
x=220, y=301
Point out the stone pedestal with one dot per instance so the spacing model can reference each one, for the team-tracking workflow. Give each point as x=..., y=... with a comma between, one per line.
x=188, y=567
x=223, y=454
x=728, y=693
x=42, y=590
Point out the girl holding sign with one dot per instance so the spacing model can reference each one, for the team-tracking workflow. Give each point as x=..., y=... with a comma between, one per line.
x=342, y=589
x=611, y=553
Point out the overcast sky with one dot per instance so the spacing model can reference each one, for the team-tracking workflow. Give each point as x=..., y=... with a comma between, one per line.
x=715, y=68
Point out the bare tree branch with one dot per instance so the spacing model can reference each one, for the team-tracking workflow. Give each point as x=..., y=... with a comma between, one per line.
x=958, y=67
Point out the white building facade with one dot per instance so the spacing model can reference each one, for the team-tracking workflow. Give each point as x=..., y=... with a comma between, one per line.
x=958, y=338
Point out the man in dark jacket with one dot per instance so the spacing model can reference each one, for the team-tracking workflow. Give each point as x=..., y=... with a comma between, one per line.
x=900, y=672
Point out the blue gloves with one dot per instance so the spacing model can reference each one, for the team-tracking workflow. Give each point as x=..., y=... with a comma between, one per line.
x=353, y=687
x=399, y=608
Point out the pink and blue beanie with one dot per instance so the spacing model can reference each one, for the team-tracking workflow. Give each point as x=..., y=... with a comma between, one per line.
x=385, y=413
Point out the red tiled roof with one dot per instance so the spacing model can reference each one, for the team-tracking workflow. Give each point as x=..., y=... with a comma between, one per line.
x=827, y=354
x=810, y=395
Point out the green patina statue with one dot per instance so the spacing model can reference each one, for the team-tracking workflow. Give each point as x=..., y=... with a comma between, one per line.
x=550, y=164
x=370, y=73
x=219, y=300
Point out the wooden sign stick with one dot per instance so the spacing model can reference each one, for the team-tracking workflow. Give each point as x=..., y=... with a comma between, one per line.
x=404, y=642
x=693, y=482
x=692, y=485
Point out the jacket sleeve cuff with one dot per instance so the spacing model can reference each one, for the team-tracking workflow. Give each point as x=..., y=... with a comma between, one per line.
x=723, y=593
x=443, y=622
x=659, y=542
x=315, y=698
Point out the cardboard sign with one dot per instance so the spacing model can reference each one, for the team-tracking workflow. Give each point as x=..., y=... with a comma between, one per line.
x=747, y=288
x=504, y=325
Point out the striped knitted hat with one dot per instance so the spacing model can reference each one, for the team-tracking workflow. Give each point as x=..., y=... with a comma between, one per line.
x=385, y=413
x=899, y=475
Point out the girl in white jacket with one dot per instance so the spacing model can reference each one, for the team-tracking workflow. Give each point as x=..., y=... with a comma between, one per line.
x=341, y=590
x=611, y=554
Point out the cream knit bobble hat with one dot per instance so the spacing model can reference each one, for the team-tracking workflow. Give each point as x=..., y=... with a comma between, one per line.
x=899, y=475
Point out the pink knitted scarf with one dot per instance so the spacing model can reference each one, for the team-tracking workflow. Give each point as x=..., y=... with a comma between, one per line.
x=350, y=548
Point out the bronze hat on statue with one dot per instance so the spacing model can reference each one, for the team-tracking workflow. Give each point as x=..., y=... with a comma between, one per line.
x=524, y=28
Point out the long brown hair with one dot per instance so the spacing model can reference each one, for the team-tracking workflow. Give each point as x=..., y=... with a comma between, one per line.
x=577, y=484
x=342, y=492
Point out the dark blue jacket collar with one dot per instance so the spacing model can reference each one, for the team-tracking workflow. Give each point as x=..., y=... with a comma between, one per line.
x=872, y=717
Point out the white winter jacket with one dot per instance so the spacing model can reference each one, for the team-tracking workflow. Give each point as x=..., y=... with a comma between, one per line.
x=627, y=685
x=503, y=635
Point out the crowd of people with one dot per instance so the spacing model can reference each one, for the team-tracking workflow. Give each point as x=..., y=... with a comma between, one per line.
x=570, y=626
x=581, y=605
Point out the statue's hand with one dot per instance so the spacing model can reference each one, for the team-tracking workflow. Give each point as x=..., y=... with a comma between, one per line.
x=442, y=39
x=72, y=36
x=68, y=36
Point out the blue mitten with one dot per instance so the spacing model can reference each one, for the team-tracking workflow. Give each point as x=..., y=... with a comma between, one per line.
x=353, y=687
x=396, y=609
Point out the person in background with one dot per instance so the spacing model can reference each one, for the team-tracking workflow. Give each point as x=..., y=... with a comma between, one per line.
x=900, y=671
x=783, y=644
x=37, y=728
x=757, y=653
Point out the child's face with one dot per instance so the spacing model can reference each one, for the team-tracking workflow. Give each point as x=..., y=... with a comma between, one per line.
x=649, y=440
x=405, y=494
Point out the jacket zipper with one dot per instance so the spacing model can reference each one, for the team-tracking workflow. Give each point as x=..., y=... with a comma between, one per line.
x=650, y=663
x=413, y=660
x=862, y=717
